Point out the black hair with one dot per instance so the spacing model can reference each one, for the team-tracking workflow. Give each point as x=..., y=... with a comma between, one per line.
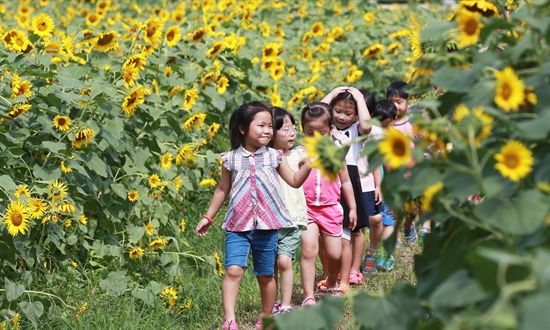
x=241, y=118
x=316, y=110
x=399, y=89
x=369, y=100
x=278, y=116
x=384, y=109
x=345, y=96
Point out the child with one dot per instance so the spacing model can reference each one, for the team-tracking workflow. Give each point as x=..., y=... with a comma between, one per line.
x=284, y=135
x=380, y=225
x=256, y=209
x=397, y=93
x=324, y=211
x=351, y=116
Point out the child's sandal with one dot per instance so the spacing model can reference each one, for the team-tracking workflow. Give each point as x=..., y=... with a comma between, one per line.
x=309, y=301
x=322, y=285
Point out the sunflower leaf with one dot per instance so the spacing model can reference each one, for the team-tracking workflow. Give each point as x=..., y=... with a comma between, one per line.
x=13, y=290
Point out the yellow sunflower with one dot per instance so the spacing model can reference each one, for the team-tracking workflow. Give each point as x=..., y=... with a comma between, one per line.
x=216, y=48
x=173, y=35
x=194, y=121
x=83, y=137
x=62, y=123
x=20, y=87
x=394, y=47
x=36, y=207
x=478, y=120
x=67, y=207
x=416, y=45
x=83, y=219
x=137, y=60
x=373, y=51
x=93, y=19
x=133, y=196
x=43, y=25
x=185, y=155
x=353, y=74
x=132, y=101
x=219, y=265
x=170, y=295
x=510, y=90
x=190, y=98
x=196, y=35
x=223, y=83
x=429, y=194
x=485, y=8
x=22, y=190
x=271, y=50
x=105, y=41
x=182, y=225
x=177, y=183
x=207, y=183
x=213, y=129
x=65, y=168
x=19, y=43
x=210, y=76
x=396, y=148
x=17, y=218
x=154, y=180
x=136, y=253
x=325, y=155
x=166, y=161
x=129, y=74
x=149, y=229
x=153, y=30
x=469, y=25
x=514, y=161
x=277, y=72
x=158, y=243
x=317, y=29
x=58, y=190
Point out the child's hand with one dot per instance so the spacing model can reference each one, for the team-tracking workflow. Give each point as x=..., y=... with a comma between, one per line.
x=352, y=219
x=202, y=227
x=340, y=137
x=378, y=195
x=328, y=98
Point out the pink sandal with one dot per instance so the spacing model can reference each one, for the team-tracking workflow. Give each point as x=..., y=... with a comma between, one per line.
x=309, y=301
x=355, y=278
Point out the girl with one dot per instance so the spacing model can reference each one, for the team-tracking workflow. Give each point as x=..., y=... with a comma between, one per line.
x=324, y=211
x=351, y=116
x=284, y=135
x=256, y=209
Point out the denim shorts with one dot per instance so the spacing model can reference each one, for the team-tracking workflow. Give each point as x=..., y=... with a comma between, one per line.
x=264, y=250
x=387, y=216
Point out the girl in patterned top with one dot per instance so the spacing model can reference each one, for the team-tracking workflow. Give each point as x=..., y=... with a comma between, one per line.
x=256, y=209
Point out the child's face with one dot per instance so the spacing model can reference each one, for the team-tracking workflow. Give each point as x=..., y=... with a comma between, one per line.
x=387, y=122
x=317, y=124
x=400, y=103
x=344, y=113
x=286, y=135
x=259, y=132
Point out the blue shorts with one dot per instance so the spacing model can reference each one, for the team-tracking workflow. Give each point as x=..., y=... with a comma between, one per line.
x=370, y=204
x=387, y=216
x=264, y=250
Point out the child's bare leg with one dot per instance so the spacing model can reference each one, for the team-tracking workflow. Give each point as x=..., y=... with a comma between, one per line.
x=333, y=253
x=388, y=230
x=230, y=290
x=268, y=292
x=358, y=247
x=284, y=263
x=310, y=250
x=376, y=231
x=347, y=257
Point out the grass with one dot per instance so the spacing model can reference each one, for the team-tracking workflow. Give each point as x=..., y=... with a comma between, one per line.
x=201, y=287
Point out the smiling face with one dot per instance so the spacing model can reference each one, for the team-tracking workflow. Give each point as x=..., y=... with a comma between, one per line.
x=259, y=132
x=400, y=103
x=317, y=124
x=345, y=114
x=286, y=135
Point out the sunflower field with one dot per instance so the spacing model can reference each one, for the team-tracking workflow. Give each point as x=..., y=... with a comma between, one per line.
x=113, y=115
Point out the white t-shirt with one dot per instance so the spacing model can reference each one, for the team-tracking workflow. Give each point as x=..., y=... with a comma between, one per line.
x=355, y=148
x=367, y=179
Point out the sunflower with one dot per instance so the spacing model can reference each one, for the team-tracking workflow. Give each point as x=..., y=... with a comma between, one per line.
x=325, y=155
x=373, y=51
x=353, y=74
x=153, y=30
x=317, y=29
x=20, y=43
x=509, y=91
x=396, y=148
x=173, y=35
x=182, y=225
x=93, y=19
x=132, y=101
x=138, y=61
x=207, y=183
x=68, y=223
x=416, y=45
x=394, y=47
x=477, y=119
x=20, y=87
x=514, y=161
x=83, y=219
x=429, y=194
x=166, y=161
x=219, y=266
x=36, y=207
x=194, y=121
x=136, y=253
x=177, y=183
x=485, y=8
x=83, y=137
x=210, y=76
x=66, y=207
x=133, y=196
x=170, y=295
x=271, y=50
x=22, y=190
x=154, y=180
x=185, y=155
x=62, y=123
x=277, y=72
x=65, y=168
x=216, y=48
x=223, y=83
x=43, y=25
x=105, y=41
x=213, y=129
x=17, y=218
x=149, y=229
x=469, y=25
x=58, y=190
x=190, y=98
x=129, y=74
x=196, y=35
x=158, y=243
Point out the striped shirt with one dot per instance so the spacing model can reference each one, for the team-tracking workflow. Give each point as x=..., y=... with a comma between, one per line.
x=257, y=200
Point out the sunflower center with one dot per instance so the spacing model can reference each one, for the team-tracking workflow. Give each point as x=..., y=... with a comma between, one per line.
x=151, y=30
x=61, y=121
x=399, y=148
x=506, y=91
x=105, y=39
x=170, y=36
x=42, y=26
x=470, y=27
x=511, y=161
x=16, y=218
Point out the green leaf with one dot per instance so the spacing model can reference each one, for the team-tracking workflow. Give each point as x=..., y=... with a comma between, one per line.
x=54, y=147
x=32, y=310
x=536, y=311
x=97, y=165
x=456, y=79
x=324, y=315
x=135, y=233
x=13, y=290
x=7, y=183
x=435, y=30
x=115, y=283
x=520, y=216
x=535, y=129
x=46, y=174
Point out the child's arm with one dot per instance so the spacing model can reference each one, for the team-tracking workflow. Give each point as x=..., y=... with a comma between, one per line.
x=217, y=200
x=347, y=191
x=377, y=174
x=362, y=111
x=295, y=179
x=328, y=98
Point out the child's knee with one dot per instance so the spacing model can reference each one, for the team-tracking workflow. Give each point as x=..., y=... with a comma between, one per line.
x=375, y=220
